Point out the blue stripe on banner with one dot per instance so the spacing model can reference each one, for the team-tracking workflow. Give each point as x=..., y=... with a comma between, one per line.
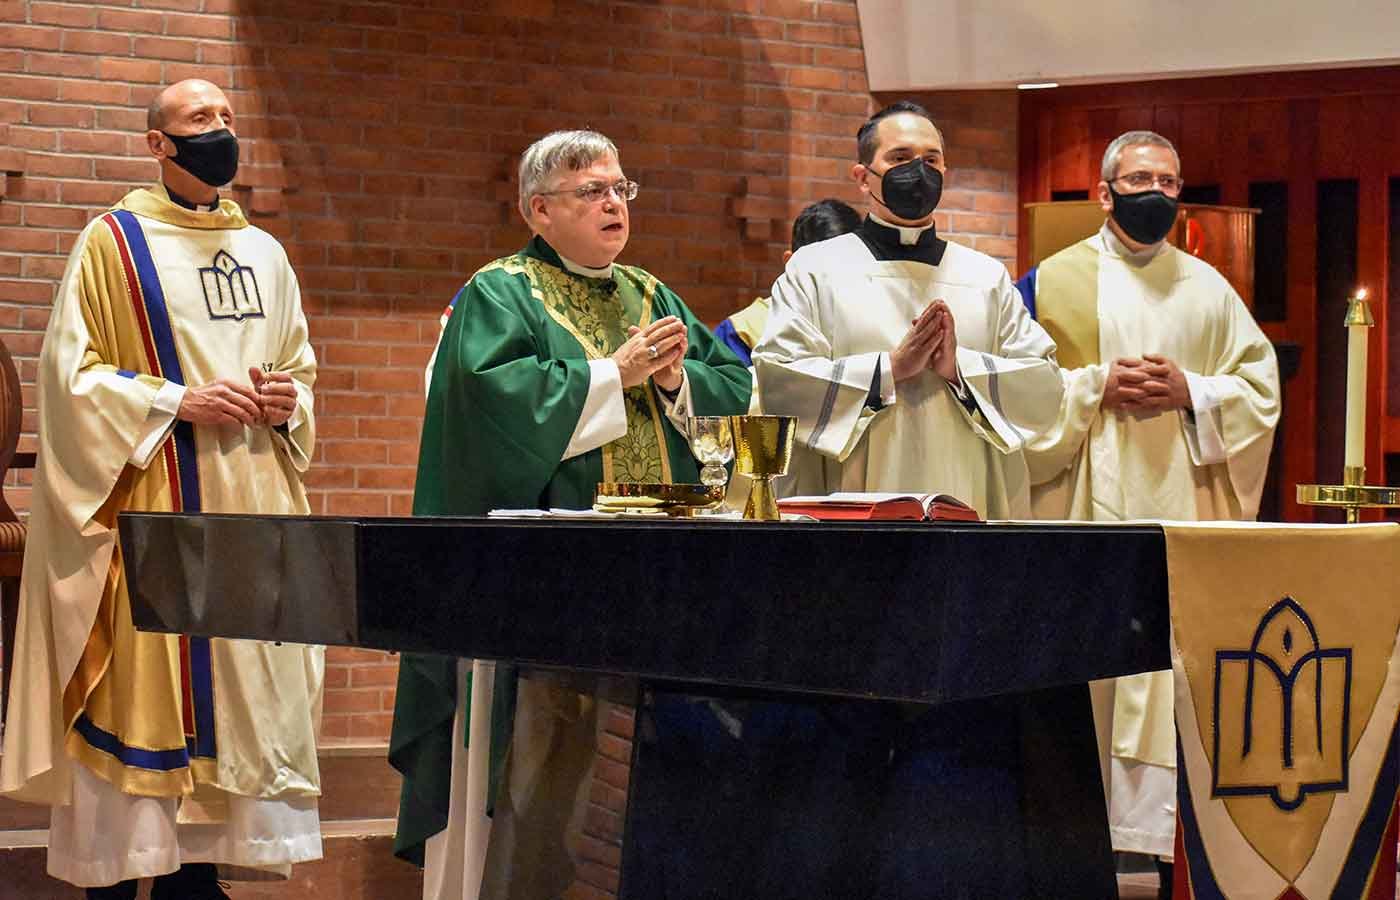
x=202, y=690
x=126, y=373
x=1366, y=844
x=156, y=760
x=1203, y=886
x=164, y=337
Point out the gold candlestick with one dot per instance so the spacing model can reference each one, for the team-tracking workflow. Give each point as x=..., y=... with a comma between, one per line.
x=1353, y=494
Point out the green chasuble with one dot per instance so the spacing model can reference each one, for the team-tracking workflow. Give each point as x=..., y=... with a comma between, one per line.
x=507, y=391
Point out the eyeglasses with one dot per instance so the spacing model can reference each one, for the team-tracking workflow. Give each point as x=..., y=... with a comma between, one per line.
x=1141, y=181
x=595, y=191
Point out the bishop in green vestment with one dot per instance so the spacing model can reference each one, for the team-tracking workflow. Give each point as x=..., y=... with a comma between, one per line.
x=556, y=369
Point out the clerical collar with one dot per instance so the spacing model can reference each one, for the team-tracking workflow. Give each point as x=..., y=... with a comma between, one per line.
x=1115, y=245
x=578, y=269
x=897, y=242
x=190, y=204
x=540, y=249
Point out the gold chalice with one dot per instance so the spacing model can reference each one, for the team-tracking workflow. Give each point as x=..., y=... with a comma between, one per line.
x=762, y=449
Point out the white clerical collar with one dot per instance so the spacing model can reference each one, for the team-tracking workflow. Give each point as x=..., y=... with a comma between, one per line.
x=1115, y=245
x=190, y=204
x=907, y=236
x=605, y=272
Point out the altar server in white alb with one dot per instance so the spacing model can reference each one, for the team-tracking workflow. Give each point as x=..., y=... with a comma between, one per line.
x=1171, y=399
x=175, y=375
x=910, y=362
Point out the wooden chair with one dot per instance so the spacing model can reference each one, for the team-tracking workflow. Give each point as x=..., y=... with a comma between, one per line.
x=12, y=530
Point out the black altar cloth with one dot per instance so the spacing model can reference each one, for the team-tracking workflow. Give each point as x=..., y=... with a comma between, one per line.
x=821, y=625
x=902, y=611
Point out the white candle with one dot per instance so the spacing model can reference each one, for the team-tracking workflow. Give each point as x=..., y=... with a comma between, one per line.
x=1357, y=332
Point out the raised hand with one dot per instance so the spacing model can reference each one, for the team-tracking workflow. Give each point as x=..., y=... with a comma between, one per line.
x=647, y=351
x=944, y=360
x=914, y=351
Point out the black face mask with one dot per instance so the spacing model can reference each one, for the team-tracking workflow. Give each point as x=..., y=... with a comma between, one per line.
x=211, y=157
x=1146, y=217
x=911, y=190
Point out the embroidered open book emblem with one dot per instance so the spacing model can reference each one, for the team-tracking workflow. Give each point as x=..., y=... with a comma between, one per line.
x=1282, y=713
x=230, y=289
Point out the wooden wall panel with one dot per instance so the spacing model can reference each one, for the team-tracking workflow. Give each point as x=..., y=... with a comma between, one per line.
x=1071, y=151
x=1133, y=118
x=1234, y=145
x=1372, y=265
x=1296, y=127
x=1299, y=420
x=1268, y=150
x=1200, y=130
x=1338, y=122
x=1166, y=120
x=1103, y=128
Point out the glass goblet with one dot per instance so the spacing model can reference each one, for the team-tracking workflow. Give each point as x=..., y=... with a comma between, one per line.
x=712, y=443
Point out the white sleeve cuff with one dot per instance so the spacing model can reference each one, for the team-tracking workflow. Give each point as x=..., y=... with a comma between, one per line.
x=298, y=412
x=1203, y=436
x=159, y=421
x=679, y=409
x=604, y=416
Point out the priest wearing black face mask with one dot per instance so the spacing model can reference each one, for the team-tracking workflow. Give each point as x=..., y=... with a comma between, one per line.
x=1171, y=398
x=176, y=375
x=190, y=130
x=913, y=366
x=909, y=361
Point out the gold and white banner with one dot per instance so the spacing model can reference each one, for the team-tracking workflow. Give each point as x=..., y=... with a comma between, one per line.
x=1287, y=674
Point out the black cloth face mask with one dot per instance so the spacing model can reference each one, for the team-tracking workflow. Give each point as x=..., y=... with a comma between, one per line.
x=911, y=190
x=1147, y=217
x=211, y=157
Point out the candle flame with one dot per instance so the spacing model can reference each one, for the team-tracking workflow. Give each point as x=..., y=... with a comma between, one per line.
x=1360, y=293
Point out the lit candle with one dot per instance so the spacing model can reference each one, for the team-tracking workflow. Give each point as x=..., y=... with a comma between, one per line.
x=1358, y=323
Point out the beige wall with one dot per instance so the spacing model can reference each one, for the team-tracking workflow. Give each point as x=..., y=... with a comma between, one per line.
x=947, y=44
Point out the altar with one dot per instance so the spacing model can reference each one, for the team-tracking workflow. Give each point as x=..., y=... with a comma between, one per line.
x=986, y=634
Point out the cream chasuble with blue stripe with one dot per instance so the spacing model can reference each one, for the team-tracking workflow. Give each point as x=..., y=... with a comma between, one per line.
x=155, y=294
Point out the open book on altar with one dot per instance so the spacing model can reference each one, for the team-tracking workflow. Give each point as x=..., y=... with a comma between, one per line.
x=875, y=506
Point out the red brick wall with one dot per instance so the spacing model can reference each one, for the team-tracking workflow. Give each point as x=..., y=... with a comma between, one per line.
x=380, y=140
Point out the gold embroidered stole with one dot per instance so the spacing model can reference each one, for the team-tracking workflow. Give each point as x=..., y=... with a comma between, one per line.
x=598, y=320
x=1067, y=303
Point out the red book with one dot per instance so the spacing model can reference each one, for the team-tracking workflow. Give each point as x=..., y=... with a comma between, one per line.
x=873, y=507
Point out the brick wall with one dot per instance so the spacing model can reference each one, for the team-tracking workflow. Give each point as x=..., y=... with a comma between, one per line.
x=379, y=144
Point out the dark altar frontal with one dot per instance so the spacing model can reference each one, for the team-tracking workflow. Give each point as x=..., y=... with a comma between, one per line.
x=892, y=710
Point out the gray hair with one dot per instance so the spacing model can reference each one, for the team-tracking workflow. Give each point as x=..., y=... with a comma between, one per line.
x=572, y=150
x=1114, y=154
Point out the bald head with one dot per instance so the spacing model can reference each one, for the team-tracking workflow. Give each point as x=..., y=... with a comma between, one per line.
x=186, y=105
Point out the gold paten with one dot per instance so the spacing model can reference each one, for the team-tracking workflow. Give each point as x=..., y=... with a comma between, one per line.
x=641, y=498
x=762, y=450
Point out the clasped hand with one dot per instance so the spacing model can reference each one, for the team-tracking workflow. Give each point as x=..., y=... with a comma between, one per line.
x=269, y=400
x=656, y=351
x=930, y=343
x=1150, y=385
